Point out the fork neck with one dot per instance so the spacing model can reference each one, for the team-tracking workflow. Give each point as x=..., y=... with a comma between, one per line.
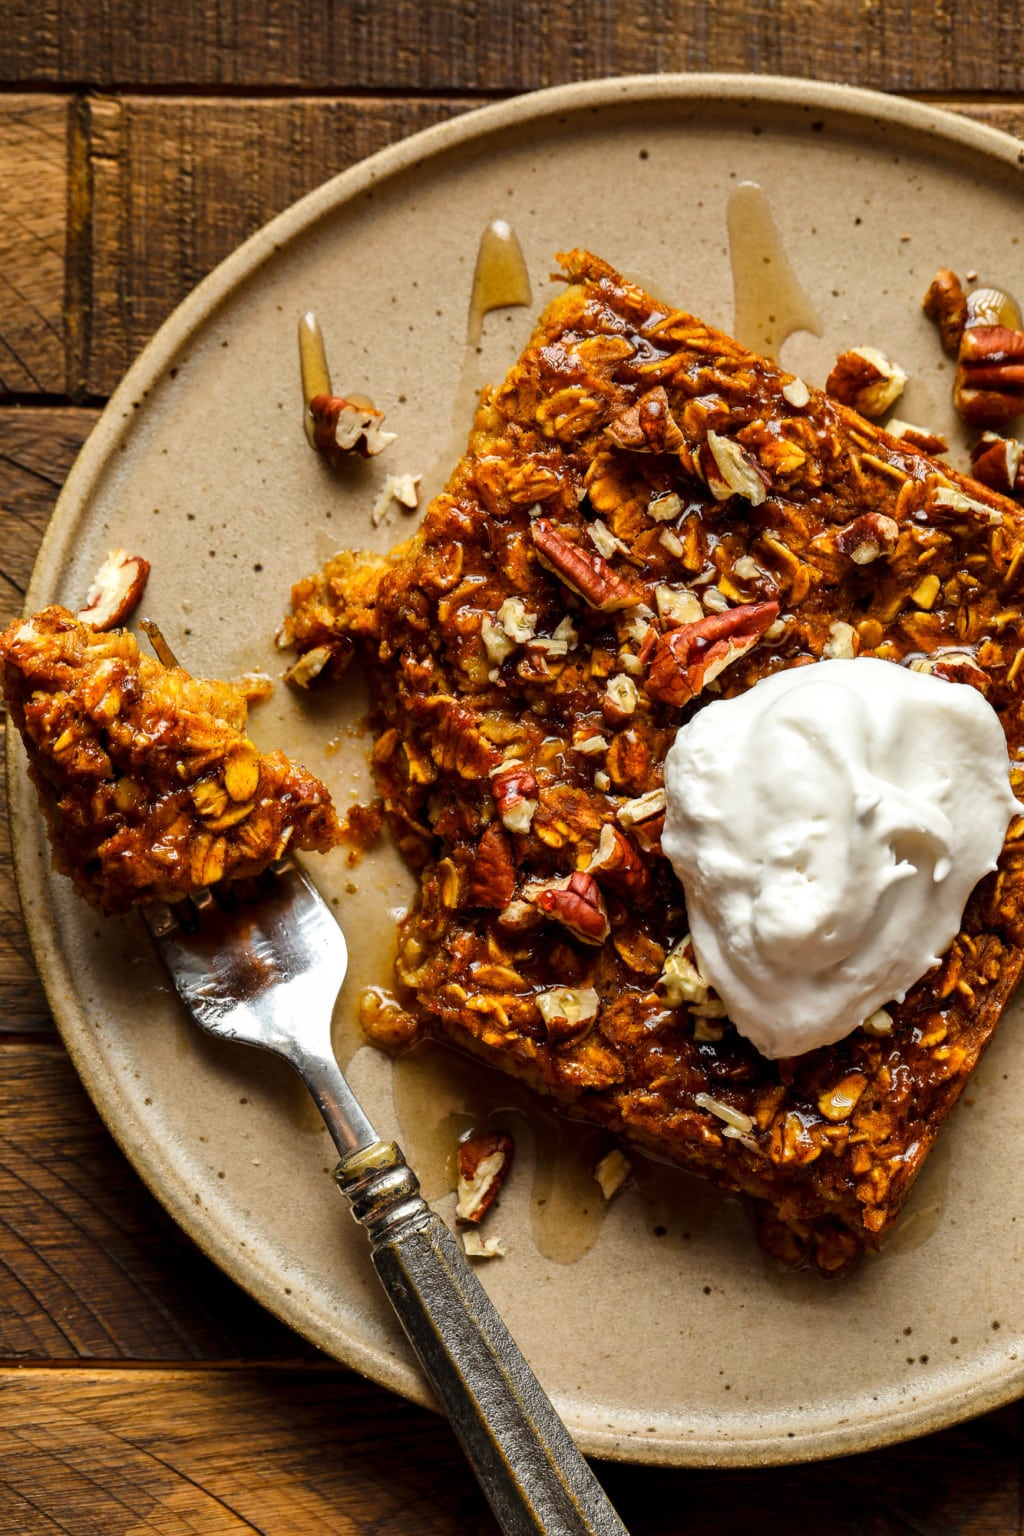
x=351, y=1130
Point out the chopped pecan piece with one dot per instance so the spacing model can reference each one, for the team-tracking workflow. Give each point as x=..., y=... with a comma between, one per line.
x=515, y=794
x=796, y=393
x=519, y=917
x=916, y=437
x=685, y=661
x=386, y=1022
x=345, y=427
x=647, y=426
x=868, y=537
x=955, y=667
x=575, y=902
x=635, y=812
x=617, y=861
x=729, y=469
x=403, y=489
x=116, y=590
x=620, y=698
x=568, y=1012
x=946, y=304
x=485, y=1159
x=320, y=659
x=864, y=379
x=996, y=462
x=588, y=575
x=680, y=980
x=612, y=1172
x=492, y=874
x=477, y=1246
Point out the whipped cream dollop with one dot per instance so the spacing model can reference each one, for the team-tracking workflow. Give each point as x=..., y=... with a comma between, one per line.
x=828, y=826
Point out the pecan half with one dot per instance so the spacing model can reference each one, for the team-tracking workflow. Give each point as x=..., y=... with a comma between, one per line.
x=867, y=537
x=648, y=426
x=345, y=427
x=946, y=304
x=492, y=874
x=617, y=861
x=685, y=661
x=864, y=379
x=588, y=575
x=989, y=386
x=485, y=1159
x=575, y=902
x=116, y=590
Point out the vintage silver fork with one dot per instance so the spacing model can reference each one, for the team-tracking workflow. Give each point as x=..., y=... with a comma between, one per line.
x=267, y=972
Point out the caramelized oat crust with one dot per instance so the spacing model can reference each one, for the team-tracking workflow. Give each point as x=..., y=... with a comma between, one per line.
x=648, y=514
x=150, y=787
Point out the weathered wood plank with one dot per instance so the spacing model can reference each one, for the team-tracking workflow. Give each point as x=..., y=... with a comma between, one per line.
x=33, y=195
x=178, y=184
x=37, y=448
x=274, y=1452
x=23, y=1006
x=290, y=1454
x=92, y=1266
x=457, y=45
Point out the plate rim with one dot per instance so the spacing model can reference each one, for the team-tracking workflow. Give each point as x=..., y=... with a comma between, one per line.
x=30, y=848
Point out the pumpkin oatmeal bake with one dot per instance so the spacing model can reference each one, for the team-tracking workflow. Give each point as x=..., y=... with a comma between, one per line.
x=647, y=517
x=150, y=786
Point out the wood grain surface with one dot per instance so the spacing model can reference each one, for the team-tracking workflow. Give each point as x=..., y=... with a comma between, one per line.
x=140, y=1391
x=402, y=46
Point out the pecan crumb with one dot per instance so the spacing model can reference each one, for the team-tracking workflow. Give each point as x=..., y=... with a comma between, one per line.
x=485, y=1158
x=343, y=427
x=612, y=1172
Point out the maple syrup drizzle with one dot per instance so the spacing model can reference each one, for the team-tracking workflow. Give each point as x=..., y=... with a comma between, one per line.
x=316, y=376
x=500, y=279
x=769, y=303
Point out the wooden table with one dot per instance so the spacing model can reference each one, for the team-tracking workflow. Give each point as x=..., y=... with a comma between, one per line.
x=140, y=1391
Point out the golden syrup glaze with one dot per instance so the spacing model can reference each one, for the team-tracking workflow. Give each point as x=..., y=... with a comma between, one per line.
x=769, y=304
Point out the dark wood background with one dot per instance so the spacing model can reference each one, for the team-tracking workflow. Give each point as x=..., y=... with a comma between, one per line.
x=140, y=1392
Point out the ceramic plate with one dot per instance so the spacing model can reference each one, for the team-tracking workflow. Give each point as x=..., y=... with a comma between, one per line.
x=656, y=1325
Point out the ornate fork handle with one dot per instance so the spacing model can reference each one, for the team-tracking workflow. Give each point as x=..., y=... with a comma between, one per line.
x=528, y=1465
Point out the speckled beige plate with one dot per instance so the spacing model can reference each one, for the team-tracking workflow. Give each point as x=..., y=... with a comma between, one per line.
x=657, y=1326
